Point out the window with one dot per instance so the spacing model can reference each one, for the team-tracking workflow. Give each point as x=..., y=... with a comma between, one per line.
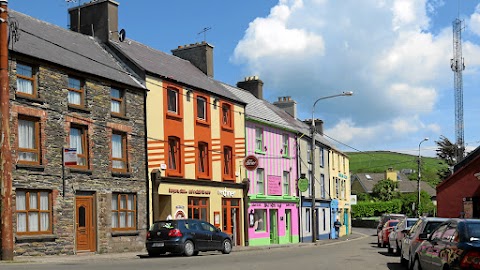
x=198, y=208
x=78, y=140
x=310, y=179
x=260, y=181
x=119, y=152
x=227, y=162
x=307, y=219
x=344, y=163
x=309, y=152
x=437, y=234
x=174, y=154
x=75, y=92
x=34, y=212
x=260, y=216
x=226, y=115
x=337, y=187
x=285, y=146
x=172, y=101
x=26, y=83
x=124, y=211
x=117, y=105
x=202, y=108
x=450, y=234
x=322, y=185
x=203, y=160
x=28, y=140
x=286, y=183
x=322, y=157
x=259, y=139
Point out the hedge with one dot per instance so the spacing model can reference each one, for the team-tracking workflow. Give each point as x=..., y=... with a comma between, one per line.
x=373, y=209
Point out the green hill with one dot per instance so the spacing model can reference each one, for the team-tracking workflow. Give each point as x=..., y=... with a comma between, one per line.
x=380, y=161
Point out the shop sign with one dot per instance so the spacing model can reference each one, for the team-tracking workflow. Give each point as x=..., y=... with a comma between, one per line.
x=250, y=162
x=226, y=193
x=343, y=176
x=191, y=191
x=274, y=184
x=302, y=184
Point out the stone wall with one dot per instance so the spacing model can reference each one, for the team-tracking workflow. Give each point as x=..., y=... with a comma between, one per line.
x=51, y=108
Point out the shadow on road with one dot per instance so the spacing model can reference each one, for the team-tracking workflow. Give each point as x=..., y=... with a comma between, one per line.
x=384, y=253
x=395, y=266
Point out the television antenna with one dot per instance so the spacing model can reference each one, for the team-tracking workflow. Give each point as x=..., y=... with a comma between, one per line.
x=204, y=31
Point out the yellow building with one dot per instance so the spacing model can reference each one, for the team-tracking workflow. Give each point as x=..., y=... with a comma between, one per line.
x=340, y=189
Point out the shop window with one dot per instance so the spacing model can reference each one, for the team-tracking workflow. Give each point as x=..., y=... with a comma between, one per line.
x=260, y=217
x=198, y=208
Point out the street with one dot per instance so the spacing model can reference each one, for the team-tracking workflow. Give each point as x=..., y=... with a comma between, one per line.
x=361, y=253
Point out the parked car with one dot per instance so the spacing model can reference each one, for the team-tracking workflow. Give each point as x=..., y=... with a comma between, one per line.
x=187, y=237
x=386, y=217
x=396, y=237
x=455, y=244
x=424, y=226
x=382, y=239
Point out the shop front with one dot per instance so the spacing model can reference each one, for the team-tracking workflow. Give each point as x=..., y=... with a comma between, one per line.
x=273, y=222
x=221, y=206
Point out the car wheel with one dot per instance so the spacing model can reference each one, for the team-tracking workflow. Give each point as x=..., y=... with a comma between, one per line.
x=416, y=265
x=188, y=248
x=226, y=246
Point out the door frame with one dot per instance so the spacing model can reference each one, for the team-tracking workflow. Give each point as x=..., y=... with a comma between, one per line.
x=227, y=206
x=89, y=200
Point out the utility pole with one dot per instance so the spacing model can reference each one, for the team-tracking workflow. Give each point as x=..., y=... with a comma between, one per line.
x=419, y=175
x=6, y=228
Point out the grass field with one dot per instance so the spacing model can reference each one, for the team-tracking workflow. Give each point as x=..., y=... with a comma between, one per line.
x=380, y=161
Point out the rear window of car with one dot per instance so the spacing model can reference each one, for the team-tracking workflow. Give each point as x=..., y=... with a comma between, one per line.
x=393, y=223
x=165, y=225
x=410, y=223
x=430, y=226
x=473, y=230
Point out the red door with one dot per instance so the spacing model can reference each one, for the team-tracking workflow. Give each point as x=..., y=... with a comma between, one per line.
x=231, y=219
x=85, y=231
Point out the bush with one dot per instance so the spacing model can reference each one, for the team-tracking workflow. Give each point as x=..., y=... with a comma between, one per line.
x=372, y=209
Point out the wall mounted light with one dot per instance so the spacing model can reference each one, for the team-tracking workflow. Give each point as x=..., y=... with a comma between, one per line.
x=215, y=102
x=189, y=94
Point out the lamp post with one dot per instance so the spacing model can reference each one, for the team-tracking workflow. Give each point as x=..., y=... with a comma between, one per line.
x=419, y=175
x=312, y=154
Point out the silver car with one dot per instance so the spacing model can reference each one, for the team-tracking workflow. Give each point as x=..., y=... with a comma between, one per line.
x=424, y=226
x=396, y=237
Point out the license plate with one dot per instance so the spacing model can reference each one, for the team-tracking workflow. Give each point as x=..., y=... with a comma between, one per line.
x=161, y=244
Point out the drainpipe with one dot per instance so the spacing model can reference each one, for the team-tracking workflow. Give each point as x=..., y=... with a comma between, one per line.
x=6, y=228
x=246, y=187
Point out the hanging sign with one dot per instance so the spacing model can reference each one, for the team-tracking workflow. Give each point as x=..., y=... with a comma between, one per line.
x=250, y=162
x=302, y=184
x=69, y=156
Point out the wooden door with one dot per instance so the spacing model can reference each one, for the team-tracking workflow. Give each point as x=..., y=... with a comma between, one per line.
x=231, y=219
x=85, y=229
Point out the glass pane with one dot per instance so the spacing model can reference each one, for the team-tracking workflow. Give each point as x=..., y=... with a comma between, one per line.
x=123, y=220
x=24, y=70
x=81, y=216
x=21, y=222
x=130, y=202
x=114, y=202
x=43, y=200
x=21, y=200
x=117, y=147
x=33, y=201
x=115, y=93
x=44, y=221
x=115, y=106
x=114, y=220
x=118, y=164
x=130, y=220
x=203, y=214
x=74, y=98
x=24, y=86
x=73, y=83
x=172, y=101
x=33, y=222
x=123, y=202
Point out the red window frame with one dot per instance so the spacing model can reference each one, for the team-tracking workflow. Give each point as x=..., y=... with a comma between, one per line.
x=174, y=151
x=228, y=163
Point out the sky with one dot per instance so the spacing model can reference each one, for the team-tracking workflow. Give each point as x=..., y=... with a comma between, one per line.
x=393, y=54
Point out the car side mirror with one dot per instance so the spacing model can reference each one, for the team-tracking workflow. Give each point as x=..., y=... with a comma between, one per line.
x=218, y=230
x=423, y=236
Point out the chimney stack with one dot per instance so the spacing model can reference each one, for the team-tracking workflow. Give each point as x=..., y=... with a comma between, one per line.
x=318, y=125
x=253, y=85
x=199, y=54
x=391, y=174
x=98, y=18
x=287, y=104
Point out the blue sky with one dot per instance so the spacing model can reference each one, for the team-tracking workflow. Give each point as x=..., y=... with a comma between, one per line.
x=393, y=54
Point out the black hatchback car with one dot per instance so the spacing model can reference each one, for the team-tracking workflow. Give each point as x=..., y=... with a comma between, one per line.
x=455, y=244
x=187, y=237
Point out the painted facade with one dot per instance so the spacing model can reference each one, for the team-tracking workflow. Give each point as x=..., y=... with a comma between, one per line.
x=272, y=193
x=340, y=190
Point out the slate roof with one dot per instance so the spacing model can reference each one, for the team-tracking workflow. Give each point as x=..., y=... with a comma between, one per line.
x=404, y=184
x=64, y=47
x=170, y=67
x=264, y=111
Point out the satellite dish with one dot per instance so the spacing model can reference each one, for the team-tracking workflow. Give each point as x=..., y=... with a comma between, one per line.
x=121, y=35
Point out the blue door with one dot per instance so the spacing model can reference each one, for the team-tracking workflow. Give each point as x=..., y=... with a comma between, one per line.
x=345, y=222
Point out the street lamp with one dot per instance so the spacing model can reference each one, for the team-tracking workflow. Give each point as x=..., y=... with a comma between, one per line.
x=313, y=131
x=419, y=175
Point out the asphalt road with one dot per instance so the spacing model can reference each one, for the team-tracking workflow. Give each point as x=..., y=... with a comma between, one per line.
x=361, y=253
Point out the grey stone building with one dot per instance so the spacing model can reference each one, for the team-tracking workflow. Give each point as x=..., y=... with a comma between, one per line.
x=70, y=98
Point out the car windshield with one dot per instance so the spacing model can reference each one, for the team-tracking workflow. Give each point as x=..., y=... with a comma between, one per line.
x=393, y=223
x=432, y=225
x=410, y=223
x=473, y=230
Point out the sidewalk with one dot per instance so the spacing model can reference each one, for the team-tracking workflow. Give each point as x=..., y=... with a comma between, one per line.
x=143, y=254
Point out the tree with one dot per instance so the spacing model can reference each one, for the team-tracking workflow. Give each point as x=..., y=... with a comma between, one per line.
x=447, y=152
x=384, y=190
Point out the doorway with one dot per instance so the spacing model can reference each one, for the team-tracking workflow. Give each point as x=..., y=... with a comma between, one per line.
x=288, y=225
x=85, y=223
x=231, y=219
x=273, y=226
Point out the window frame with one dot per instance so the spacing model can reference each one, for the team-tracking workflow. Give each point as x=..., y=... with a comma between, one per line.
x=120, y=100
x=226, y=115
x=260, y=181
x=81, y=91
x=176, y=155
x=322, y=157
x=199, y=100
x=33, y=79
x=205, y=159
x=37, y=133
x=85, y=146
x=285, y=145
x=38, y=210
x=198, y=203
x=261, y=213
x=322, y=186
x=228, y=165
x=259, y=140
x=177, y=101
x=286, y=183
x=120, y=210
x=124, y=157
